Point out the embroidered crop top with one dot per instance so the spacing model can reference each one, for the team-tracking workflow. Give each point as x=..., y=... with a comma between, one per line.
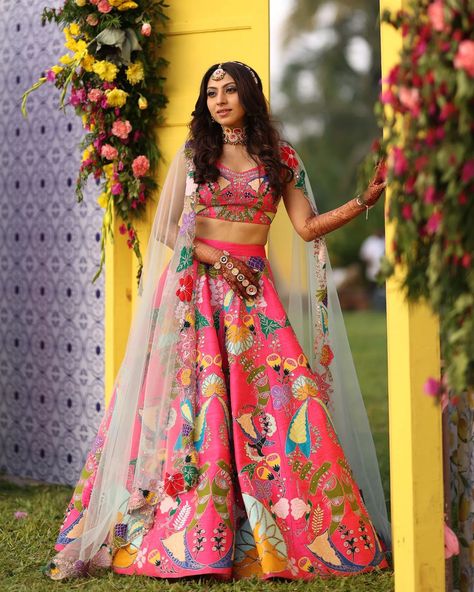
x=238, y=197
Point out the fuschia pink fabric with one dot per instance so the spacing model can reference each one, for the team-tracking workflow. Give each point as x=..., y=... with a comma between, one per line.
x=275, y=495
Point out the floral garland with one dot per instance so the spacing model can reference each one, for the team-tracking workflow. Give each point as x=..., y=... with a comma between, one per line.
x=427, y=109
x=113, y=80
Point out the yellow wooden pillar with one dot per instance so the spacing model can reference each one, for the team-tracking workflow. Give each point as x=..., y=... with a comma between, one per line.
x=199, y=35
x=416, y=464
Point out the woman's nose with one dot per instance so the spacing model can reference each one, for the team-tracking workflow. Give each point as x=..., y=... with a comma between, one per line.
x=221, y=98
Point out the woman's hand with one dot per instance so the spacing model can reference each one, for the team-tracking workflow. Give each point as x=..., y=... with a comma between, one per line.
x=376, y=185
x=240, y=277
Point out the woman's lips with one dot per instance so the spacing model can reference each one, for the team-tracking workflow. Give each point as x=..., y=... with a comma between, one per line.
x=224, y=112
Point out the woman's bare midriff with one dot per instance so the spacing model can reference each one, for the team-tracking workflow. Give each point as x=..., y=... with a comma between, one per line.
x=232, y=232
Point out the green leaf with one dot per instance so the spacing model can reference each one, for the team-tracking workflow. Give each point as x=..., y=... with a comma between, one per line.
x=250, y=469
x=268, y=325
x=201, y=321
x=185, y=258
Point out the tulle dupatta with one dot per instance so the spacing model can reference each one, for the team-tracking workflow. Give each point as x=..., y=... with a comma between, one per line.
x=159, y=368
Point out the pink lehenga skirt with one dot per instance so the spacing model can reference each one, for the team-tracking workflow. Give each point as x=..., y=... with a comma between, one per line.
x=275, y=496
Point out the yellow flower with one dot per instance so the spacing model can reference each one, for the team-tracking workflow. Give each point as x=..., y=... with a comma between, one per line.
x=86, y=154
x=57, y=69
x=81, y=50
x=128, y=6
x=81, y=2
x=103, y=199
x=105, y=70
x=116, y=97
x=108, y=170
x=66, y=59
x=87, y=62
x=71, y=44
x=123, y=4
x=142, y=102
x=84, y=120
x=135, y=73
x=74, y=28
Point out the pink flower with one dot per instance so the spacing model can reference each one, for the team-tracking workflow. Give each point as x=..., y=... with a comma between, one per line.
x=94, y=2
x=146, y=29
x=109, y=152
x=410, y=98
x=121, y=129
x=464, y=59
x=20, y=515
x=436, y=15
x=430, y=195
x=451, y=543
x=140, y=166
x=94, y=95
x=387, y=97
x=467, y=171
x=407, y=211
x=433, y=222
x=116, y=189
x=92, y=20
x=400, y=164
x=122, y=229
x=103, y=6
x=78, y=96
x=281, y=508
x=432, y=387
x=50, y=76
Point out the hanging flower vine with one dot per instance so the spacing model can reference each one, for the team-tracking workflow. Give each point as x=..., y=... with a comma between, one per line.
x=427, y=109
x=112, y=77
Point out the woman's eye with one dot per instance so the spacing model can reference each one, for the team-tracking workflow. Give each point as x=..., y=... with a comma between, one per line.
x=211, y=93
x=231, y=89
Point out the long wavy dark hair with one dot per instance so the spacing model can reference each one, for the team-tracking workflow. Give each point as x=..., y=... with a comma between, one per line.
x=263, y=140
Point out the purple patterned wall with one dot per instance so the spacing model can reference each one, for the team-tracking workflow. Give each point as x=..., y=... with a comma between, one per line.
x=51, y=316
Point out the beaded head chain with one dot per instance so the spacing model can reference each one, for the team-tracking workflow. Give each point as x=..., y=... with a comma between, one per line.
x=219, y=72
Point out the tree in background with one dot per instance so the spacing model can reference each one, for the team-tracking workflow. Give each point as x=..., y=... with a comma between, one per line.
x=329, y=88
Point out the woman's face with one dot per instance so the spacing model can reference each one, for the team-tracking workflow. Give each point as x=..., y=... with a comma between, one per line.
x=223, y=102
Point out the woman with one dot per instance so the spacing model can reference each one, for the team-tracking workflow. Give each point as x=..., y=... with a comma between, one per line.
x=217, y=454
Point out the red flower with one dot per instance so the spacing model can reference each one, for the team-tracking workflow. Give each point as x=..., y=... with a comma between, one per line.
x=326, y=355
x=447, y=110
x=185, y=290
x=122, y=229
x=410, y=184
x=468, y=171
x=174, y=484
x=466, y=260
x=407, y=211
x=288, y=156
x=421, y=162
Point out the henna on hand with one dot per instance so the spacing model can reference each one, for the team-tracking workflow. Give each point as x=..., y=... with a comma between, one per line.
x=210, y=255
x=321, y=224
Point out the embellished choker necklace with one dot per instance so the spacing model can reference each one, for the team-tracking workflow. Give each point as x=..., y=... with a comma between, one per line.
x=234, y=135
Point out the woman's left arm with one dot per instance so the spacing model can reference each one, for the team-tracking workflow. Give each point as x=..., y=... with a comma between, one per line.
x=311, y=226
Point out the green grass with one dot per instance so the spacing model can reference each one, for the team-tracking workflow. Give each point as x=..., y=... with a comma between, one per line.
x=28, y=544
